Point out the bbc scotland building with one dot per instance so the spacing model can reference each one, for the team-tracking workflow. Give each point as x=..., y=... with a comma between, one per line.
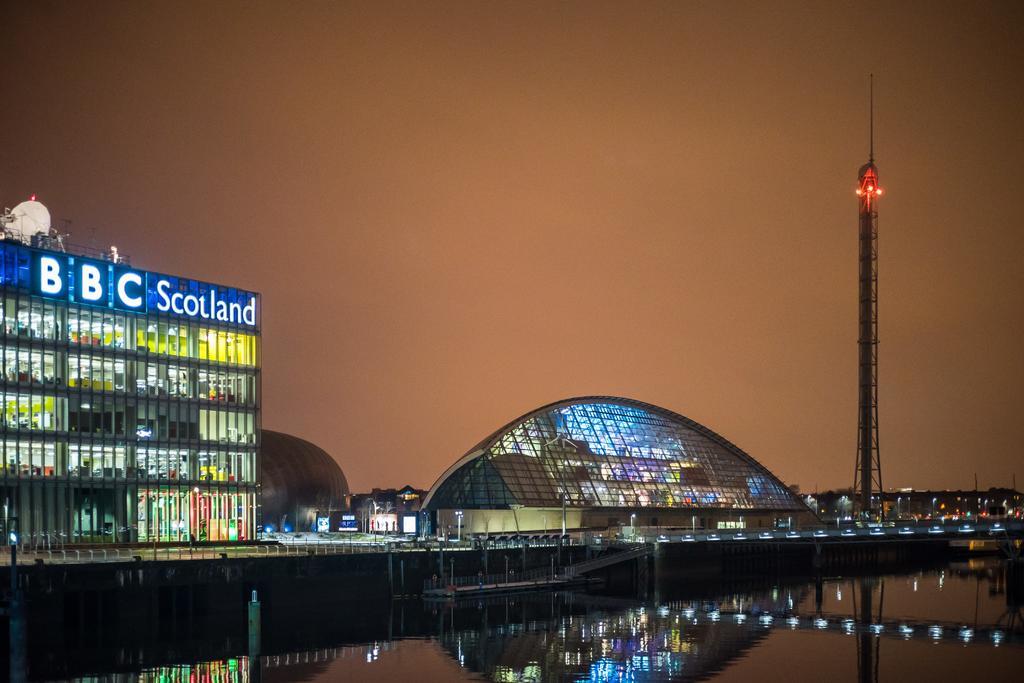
x=131, y=401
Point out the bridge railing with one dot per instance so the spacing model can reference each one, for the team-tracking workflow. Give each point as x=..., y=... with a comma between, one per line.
x=1003, y=530
x=905, y=530
x=501, y=579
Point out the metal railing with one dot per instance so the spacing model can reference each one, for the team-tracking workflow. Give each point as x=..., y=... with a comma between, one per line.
x=493, y=580
x=31, y=552
x=69, y=554
x=606, y=560
x=538, y=575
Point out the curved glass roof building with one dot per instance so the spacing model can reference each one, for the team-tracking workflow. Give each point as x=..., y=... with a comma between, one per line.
x=612, y=454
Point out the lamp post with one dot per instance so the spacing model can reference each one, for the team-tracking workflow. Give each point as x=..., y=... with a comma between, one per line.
x=12, y=540
x=561, y=439
x=933, y=507
x=371, y=520
x=156, y=514
x=458, y=521
x=563, y=507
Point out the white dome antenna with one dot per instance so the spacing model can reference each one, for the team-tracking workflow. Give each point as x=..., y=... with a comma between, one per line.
x=27, y=219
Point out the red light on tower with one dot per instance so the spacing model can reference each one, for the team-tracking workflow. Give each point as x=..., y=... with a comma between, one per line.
x=31, y=197
x=868, y=189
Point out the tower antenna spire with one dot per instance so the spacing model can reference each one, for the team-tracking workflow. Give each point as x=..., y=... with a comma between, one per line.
x=867, y=478
x=871, y=118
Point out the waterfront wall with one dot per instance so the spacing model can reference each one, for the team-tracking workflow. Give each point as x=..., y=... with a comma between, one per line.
x=173, y=594
x=166, y=591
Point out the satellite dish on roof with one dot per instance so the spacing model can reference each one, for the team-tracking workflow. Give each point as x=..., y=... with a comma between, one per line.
x=27, y=219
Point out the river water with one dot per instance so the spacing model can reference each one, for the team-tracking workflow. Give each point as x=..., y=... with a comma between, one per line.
x=959, y=622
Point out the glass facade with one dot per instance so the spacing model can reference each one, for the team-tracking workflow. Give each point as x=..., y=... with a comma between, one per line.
x=121, y=426
x=610, y=453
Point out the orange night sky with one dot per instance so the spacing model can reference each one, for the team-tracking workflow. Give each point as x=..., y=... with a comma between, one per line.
x=458, y=212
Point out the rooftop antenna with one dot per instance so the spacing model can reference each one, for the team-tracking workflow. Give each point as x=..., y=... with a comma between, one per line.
x=871, y=119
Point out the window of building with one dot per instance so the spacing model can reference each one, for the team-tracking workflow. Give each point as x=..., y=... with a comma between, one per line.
x=163, y=463
x=28, y=317
x=177, y=515
x=29, y=366
x=226, y=426
x=178, y=340
x=25, y=458
x=34, y=412
x=91, y=372
x=101, y=328
x=99, y=415
x=97, y=461
x=227, y=347
x=226, y=386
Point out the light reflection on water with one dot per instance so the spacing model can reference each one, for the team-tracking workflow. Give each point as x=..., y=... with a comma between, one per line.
x=957, y=623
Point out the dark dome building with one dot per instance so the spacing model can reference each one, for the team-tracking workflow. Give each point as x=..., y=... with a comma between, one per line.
x=617, y=462
x=300, y=480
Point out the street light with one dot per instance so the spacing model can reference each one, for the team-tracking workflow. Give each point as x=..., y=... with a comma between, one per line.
x=458, y=518
x=562, y=439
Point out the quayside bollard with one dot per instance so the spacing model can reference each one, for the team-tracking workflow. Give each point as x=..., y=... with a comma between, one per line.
x=254, y=627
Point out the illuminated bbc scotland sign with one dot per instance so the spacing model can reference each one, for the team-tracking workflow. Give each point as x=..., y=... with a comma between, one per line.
x=99, y=283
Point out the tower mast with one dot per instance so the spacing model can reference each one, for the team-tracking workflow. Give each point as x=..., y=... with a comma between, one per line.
x=867, y=480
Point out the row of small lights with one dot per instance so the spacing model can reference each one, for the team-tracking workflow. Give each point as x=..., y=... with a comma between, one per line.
x=848, y=625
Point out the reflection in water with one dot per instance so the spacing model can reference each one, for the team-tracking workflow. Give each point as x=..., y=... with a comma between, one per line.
x=966, y=616
x=233, y=670
x=868, y=642
x=607, y=641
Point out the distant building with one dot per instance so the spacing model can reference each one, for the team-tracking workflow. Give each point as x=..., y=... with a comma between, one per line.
x=911, y=504
x=384, y=509
x=302, y=485
x=611, y=462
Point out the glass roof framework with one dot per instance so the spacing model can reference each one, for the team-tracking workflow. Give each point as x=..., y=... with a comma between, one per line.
x=610, y=453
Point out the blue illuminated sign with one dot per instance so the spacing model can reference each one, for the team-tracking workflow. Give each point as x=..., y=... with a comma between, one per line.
x=98, y=283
